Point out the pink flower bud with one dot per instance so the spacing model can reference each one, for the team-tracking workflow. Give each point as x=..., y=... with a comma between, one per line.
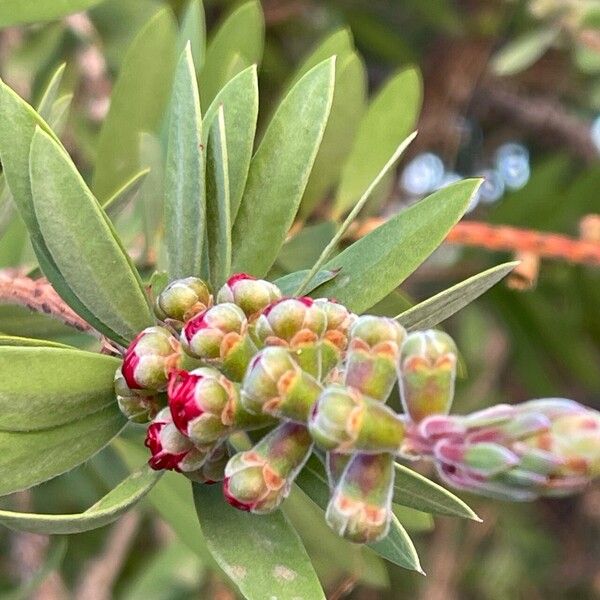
x=182, y=299
x=249, y=293
x=152, y=355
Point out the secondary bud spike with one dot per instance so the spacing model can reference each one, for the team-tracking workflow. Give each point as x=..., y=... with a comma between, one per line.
x=428, y=371
x=344, y=420
x=275, y=385
x=249, y=293
x=260, y=479
x=151, y=356
x=182, y=299
x=373, y=355
x=360, y=509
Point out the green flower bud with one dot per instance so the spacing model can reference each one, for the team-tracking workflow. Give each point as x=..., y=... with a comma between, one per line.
x=373, y=356
x=249, y=293
x=213, y=468
x=344, y=420
x=428, y=371
x=275, y=385
x=138, y=408
x=182, y=299
x=360, y=509
x=260, y=479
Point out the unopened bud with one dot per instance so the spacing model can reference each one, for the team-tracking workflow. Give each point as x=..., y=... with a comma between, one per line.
x=344, y=420
x=260, y=479
x=360, y=509
x=213, y=468
x=138, y=408
x=152, y=355
x=373, y=355
x=249, y=293
x=275, y=385
x=182, y=299
x=428, y=371
x=219, y=336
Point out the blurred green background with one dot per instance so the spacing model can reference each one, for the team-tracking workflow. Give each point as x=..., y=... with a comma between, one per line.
x=495, y=73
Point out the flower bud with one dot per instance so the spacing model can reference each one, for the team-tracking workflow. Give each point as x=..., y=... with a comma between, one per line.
x=149, y=359
x=275, y=385
x=260, y=479
x=249, y=293
x=428, y=370
x=182, y=299
x=138, y=408
x=205, y=406
x=373, y=355
x=344, y=420
x=219, y=336
x=360, y=509
x=335, y=339
x=169, y=448
x=335, y=463
x=213, y=468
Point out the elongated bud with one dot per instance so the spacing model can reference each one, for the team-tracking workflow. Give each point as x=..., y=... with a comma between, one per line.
x=219, y=336
x=206, y=406
x=249, y=293
x=152, y=355
x=428, y=371
x=344, y=420
x=373, y=355
x=213, y=468
x=335, y=463
x=169, y=448
x=182, y=299
x=360, y=509
x=544, y=447
x=275, y=385
x=260, y=479
x=138, y=408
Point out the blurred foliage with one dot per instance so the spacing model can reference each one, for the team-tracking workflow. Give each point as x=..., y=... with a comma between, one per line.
x=518, y=345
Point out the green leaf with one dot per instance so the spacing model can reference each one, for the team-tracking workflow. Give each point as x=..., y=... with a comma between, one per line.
x=303, y=249
x=413, y=520
x=436, y=309
x=288, y=283
x=59, y=113
x=193, y=30
x=185, y=202
x=239, y=99
x=416, y=491
x=12, y=340
x=28, y=458
x=43, y=387
x=218, y=205
x=279, y=171
x=398, y=548
x=391, y=116
x=138, y=101
x=108, y=509
x=523, y=51
x=388, y=255
x=124, y=195
x=242, y=32
x=50, y=94
x=262, y=554
x=19, y=12
x=82, y=243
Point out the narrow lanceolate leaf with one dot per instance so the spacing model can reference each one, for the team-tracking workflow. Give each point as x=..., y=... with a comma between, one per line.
x=398, y=548
x=391, y=116
x=19, y=12
x=239, y=99
x=59, y=113
x=279, y=171
x=289, y=283
x=108, y=509
x=44, y=387
x=50, y=94
x=185, y=203
x=193, y=30
x=28, y=458
x=388, y=255
x=416, y=491
x=138, y=101
x=12, y=340
x=124, y=195
x=82, y=243
x=18, y=122
x=242, y=32
x=443, y=305
x=262, y=554
x=218, y=206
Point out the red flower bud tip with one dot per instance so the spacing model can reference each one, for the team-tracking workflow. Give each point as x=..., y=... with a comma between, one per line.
x=169, y=448
x=182, y=299
x=250, y=294
x=150, y=358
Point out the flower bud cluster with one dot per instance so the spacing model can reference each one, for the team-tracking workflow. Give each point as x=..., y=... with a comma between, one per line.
x=316, y=377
